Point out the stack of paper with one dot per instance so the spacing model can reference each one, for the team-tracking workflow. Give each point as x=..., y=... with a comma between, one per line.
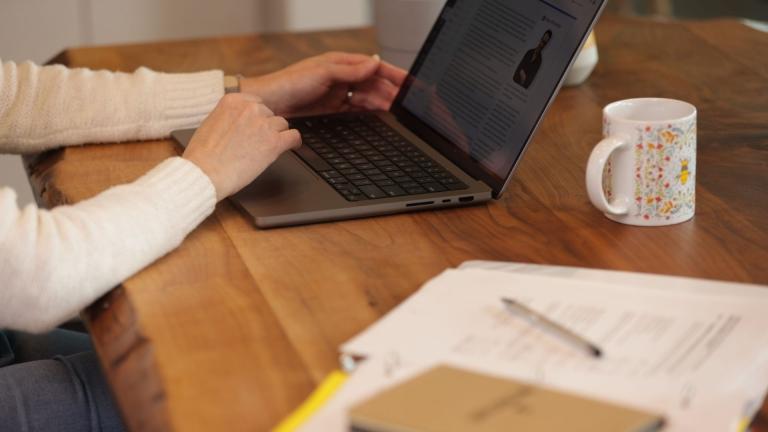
x=695, y=351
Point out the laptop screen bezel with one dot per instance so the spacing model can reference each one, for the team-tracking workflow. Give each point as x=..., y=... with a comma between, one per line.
x=442, y=144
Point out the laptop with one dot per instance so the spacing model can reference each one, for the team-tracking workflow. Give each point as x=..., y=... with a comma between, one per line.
x=458, y=128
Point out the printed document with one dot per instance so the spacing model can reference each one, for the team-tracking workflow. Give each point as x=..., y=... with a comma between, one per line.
x=700, y=358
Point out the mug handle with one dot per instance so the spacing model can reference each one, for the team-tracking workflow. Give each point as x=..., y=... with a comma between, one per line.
x=595, y=169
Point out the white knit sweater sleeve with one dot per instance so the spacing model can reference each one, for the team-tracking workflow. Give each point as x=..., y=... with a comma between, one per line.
x=48, y=106
x=54, y=263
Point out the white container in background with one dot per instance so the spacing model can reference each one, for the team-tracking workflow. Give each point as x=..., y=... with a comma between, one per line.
x=402, y=26
x=585, y=63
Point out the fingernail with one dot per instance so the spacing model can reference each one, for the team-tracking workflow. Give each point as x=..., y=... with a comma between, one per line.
x=376, y=57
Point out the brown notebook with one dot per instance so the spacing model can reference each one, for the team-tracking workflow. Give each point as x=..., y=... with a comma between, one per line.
x=446, y=399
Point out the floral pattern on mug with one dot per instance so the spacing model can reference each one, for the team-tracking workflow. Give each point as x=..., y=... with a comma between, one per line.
x=665, y=171
x=608, y=180
x=608, y=171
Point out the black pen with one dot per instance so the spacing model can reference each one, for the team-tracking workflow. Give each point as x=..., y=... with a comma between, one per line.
x=539, y=320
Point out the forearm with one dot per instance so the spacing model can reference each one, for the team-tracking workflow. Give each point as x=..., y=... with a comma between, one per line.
x=54, y=263
x=50, y=106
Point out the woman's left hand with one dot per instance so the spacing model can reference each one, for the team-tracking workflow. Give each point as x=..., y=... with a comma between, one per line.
x=331, y=82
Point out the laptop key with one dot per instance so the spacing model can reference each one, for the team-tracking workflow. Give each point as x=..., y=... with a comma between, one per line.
x=376, y=141
x=433, y=187
x=337, y=180
x=378, y=177
x=341, y=186
x=402, y=179
x=409, y=184
x=416, y=190
x=456, y=186
x=383, y=163
x=445, y=180
x=384, y=183
x=355, y=195
x=393, y=190
x=372, y=192
x=330, y=174
x=361, y=182
x=426, y=164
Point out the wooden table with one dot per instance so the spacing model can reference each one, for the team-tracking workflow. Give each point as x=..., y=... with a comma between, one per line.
x=235, y=328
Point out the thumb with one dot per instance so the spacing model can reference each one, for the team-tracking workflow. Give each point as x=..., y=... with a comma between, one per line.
x=354, y=73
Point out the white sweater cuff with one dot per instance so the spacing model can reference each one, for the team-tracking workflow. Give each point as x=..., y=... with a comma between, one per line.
x=186, y=99
x=184, y=190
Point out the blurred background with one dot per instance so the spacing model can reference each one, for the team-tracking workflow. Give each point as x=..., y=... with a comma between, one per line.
x=752, y=9
x=38, y=29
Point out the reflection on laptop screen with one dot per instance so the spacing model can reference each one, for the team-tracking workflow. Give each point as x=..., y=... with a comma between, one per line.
x=491, y=68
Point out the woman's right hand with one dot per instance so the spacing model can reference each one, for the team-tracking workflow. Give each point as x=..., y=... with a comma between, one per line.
x=238, y=141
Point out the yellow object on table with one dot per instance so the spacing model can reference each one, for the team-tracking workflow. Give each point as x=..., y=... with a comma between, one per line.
x=314, y=402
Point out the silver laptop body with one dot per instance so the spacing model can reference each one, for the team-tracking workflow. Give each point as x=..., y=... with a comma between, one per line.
x=450, y=75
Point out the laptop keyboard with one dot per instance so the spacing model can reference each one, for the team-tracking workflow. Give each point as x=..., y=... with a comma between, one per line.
x=363, y=158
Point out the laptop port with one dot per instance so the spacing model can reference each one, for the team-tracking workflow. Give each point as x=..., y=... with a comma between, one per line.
x=466, y=199
x=422, y=203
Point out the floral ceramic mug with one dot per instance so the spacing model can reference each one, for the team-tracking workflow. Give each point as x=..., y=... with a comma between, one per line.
x=644, y=171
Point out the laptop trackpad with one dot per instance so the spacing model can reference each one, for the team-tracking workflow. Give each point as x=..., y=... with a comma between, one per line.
x=287, y=187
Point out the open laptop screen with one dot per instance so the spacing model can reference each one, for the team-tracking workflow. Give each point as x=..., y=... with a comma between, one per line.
x=486, y=74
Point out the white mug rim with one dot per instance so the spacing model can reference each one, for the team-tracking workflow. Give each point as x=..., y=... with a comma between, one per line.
x=609, y=109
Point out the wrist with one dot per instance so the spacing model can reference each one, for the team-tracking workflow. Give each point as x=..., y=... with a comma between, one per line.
x=209, y=172
x=260, y=87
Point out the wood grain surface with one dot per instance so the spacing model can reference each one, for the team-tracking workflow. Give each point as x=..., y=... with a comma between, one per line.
x=236, y=327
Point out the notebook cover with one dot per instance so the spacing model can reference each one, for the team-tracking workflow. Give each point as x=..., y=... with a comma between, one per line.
x=447, y=399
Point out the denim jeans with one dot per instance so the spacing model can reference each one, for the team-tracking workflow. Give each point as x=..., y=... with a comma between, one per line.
x=54, y=383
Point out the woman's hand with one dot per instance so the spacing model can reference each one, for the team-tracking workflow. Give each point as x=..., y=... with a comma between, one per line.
x=238, y=141
x=322, y=84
